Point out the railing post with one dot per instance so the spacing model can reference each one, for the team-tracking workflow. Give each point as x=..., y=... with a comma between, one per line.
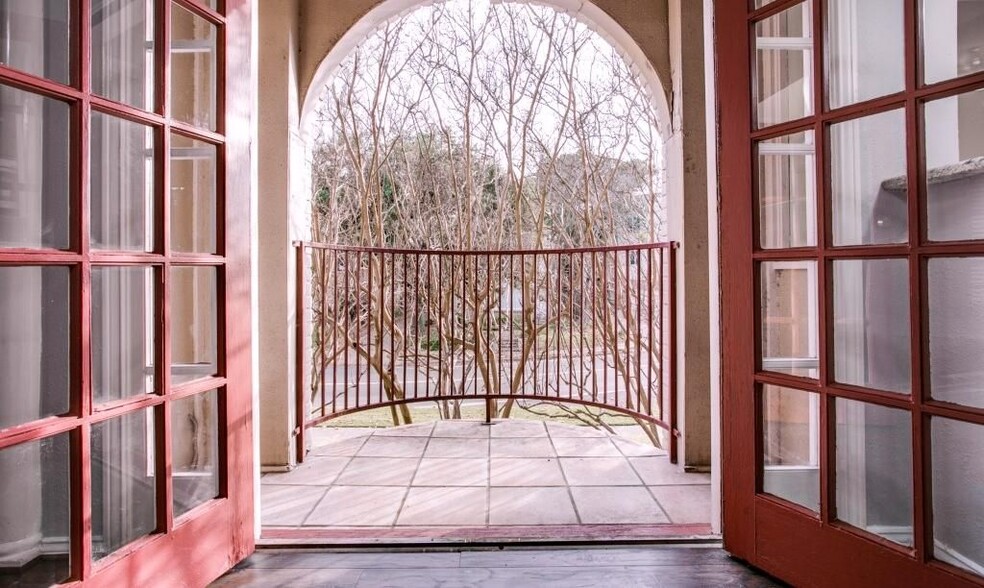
x=674, y=433
x=299, y=354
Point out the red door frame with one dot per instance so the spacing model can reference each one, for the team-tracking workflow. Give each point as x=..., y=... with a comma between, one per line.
x=791, y=543
x=214, y=536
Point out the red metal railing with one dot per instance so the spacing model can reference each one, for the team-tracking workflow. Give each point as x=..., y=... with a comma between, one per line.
x=386, y=327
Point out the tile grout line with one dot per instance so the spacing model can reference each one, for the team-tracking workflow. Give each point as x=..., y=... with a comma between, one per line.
x=563, y=474
x=650, y=491
x=488, y=483
x=315, y=507
x=403, y=502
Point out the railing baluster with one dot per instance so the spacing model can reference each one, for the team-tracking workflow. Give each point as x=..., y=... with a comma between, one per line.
x=560, y=275
x=649, y=297
x=406, y=334
x=638, y=324
x=440, y=326
x=627, y=370
x=546, y=326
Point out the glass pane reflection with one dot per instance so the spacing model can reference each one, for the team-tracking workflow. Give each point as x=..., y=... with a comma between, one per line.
x=784, y=66
x=871, y=324
x=791, y=445
x=193, y=71
x=195, y=450
x=35, y=528
x=874, y=469
x=124, y=490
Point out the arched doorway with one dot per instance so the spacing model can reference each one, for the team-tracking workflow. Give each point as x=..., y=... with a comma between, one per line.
x=395, y=7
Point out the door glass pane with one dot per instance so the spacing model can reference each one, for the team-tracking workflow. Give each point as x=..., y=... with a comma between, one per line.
x=195, y=450
x=953, y=38
x=958, y=503
x=956, y=330
x=193, y=195
x=787, y=191
x=865, y=50
x=868, y=180
x=35, y=527
x=791, y=445
x=35, y=343
x=784, y=66
x=871, y=324
x=194, y=323
x=874, y=469
x=37, y=37
x=954, y=140
x=124, y=491
x=34, y=170
x=789, y=318
x=122, y=184
x=123, y=318
x=123, y=51
x=193, y=87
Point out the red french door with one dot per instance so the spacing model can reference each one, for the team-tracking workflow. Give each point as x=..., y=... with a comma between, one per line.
x=125, y=442
x=852, y=201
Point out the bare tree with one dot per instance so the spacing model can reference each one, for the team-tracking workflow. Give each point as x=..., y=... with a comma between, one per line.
x=469, y=125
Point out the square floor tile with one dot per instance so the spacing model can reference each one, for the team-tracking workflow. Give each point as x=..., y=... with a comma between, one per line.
x=315, y=471
x=685, y=504
x=526, y=472
x=561, y=430
x=529, y=447
x=418, y=430
x=378, y=471
x=630, y=448
x=585, y=447
x=444, y=506
x=531, y=506
x=599, y=471
x=461, y=429
x=658, y=471
x=343, y=447
x=393, y=447
x=358, y=506
x=287, y=506
x=434, y=471
x=457, y=448
x=319, y=436
x=518, y=428
x=617, y=504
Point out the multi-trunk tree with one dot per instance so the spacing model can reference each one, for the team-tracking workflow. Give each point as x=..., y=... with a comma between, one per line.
x=475, y=126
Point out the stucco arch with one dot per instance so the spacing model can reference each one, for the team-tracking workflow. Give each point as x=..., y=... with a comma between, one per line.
x=302, y=41
x=638, y=29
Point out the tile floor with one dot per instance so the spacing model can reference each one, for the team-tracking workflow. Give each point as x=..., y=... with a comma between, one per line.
x=464, y=474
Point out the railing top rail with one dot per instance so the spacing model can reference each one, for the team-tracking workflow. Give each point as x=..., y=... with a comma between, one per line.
x=557, y=251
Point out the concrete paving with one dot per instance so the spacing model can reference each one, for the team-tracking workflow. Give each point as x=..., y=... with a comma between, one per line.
x=453, y=474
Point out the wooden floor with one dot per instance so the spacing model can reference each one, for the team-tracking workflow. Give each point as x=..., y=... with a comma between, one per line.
x=621, y=567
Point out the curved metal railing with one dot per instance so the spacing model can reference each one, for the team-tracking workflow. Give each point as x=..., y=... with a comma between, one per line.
x=387, y=327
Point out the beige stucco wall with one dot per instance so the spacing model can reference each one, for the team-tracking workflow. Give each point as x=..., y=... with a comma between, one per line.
x=329, y=24
x=278, y=120
x=302, y=40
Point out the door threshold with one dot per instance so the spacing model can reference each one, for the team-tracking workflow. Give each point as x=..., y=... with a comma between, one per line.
x=486, y=536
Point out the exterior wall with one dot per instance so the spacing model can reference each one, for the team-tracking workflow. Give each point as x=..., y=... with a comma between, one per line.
x=278, y=121
x=336, y=26
x=687, y=183
x=303, y=40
